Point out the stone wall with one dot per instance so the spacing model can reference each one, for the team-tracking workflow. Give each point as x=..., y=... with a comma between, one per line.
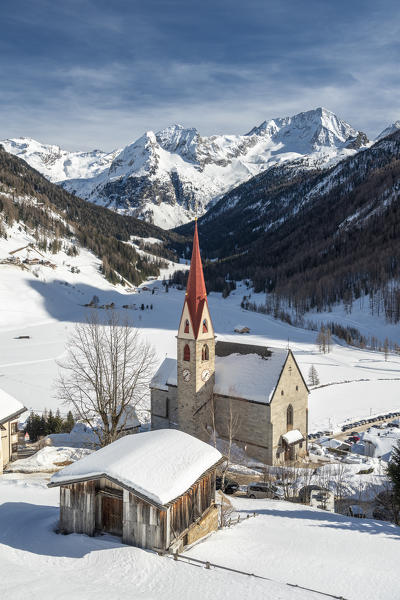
x=290, y=390
x=193, y=397
x=202, y=527
x=164, y=408
x=253, y=431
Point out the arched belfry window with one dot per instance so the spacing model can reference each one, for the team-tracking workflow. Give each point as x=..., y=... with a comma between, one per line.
x=289, y=415
x=186, y=353
x=205, y=353
x=205, y=326
x=187, y=326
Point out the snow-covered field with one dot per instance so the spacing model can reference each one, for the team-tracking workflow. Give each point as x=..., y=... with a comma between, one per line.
x=36, y=562
x=45, y=303
x=285, y=543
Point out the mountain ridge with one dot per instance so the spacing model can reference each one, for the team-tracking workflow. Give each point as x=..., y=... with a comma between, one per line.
x=169, y=176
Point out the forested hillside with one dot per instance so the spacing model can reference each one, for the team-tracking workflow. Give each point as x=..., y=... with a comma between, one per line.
x=316, y=237
x=29, y=198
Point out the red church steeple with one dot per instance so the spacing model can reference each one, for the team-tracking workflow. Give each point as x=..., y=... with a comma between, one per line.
x=196, y=294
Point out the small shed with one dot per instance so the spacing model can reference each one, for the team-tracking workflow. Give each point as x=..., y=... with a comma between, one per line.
x=155, y=490
x=242, y=329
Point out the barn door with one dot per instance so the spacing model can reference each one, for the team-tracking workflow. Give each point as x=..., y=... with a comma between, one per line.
x=111, y=514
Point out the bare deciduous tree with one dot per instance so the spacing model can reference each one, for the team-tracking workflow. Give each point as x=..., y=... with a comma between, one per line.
x=105, y=374
x=232, y=427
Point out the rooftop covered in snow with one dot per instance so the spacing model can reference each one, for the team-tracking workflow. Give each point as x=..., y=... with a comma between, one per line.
x=159, y=465
x=165, y=375
x=249, y=376
x=10, y=407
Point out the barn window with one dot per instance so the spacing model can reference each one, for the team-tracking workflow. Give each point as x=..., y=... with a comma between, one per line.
x=187, y=326
x=205, y=352
x=289, y=415
x=186, y=353
x=205, y=326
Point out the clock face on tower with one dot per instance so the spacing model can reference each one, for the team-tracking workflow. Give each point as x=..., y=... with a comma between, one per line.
x=186, y=375
x=205, y=375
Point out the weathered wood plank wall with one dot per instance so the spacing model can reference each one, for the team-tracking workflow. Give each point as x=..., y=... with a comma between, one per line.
x=77, y=507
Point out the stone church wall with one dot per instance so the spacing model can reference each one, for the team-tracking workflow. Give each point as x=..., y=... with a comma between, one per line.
x=294, y=393
x=253, y=431
x=164, y=408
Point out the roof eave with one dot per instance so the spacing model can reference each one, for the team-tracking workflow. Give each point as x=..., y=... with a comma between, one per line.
x=139, y=495
x=13, y=415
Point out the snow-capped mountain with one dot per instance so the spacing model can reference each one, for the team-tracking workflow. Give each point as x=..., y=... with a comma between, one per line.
x=165, y=177
x=389, y=130
x=57, y=164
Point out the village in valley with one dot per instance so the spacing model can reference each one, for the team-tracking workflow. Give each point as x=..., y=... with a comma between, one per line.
x=210, y=470
x=199, y=300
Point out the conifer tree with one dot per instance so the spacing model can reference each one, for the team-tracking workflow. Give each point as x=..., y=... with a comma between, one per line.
x=313, y=376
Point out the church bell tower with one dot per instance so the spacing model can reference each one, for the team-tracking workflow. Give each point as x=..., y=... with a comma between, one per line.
x=196, y=353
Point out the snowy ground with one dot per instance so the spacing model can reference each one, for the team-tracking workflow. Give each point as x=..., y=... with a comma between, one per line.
x=48, y=460
x=297, y=544
x=34, y=560
x=45, y=303
x=285, y=542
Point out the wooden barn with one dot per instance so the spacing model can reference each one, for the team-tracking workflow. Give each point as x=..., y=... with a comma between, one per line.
x=155, y=490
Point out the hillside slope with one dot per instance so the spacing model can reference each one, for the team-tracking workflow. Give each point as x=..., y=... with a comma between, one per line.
x=51, y=213
x=321, y=237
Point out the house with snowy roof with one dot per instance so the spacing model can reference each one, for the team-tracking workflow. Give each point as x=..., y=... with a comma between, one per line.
x=254, y=395
x=10, y=410
x=155, y=490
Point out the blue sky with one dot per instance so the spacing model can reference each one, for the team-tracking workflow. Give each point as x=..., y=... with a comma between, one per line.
x=96, y=74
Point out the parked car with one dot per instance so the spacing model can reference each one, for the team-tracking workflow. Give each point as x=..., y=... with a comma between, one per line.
x=265, y=490
x=305, y=492
x=355, y=510
x=230, y=486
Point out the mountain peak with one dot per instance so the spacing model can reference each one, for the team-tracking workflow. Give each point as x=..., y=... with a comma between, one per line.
x=179, y=140
x=389, y=130
x=307, y=131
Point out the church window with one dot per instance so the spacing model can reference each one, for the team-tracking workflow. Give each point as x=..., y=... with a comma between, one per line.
x=186, y=353
x=297, y=388
x=205, y=326
x=282, y=392
x=205, y=354
x=289, y=415
x=187, y=326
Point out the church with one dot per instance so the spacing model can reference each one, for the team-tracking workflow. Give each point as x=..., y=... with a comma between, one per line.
x=253, y=395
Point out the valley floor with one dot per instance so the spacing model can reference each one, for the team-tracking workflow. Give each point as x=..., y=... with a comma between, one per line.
x=360, y=382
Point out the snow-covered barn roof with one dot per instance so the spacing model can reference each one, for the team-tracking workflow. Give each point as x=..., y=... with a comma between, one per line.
x=249, y=376
x=10, y=407
x=160, y=465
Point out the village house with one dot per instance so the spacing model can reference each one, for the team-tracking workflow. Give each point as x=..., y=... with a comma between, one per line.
x=256, y=396
x=10, y=410
x=155, y=490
